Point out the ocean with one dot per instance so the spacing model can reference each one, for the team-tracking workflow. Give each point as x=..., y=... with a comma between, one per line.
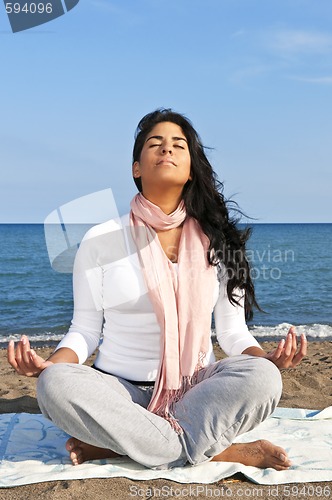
x=290, y=263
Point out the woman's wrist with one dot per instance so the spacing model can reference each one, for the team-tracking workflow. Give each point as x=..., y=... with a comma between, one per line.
x=255, y=351
x=63, y=355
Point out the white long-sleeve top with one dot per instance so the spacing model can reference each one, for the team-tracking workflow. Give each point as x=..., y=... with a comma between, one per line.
x=112, y=308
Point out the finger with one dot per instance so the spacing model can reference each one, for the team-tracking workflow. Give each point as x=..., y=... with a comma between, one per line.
x=302, y=352
x=25, y=350
x=18, y=352
x=11, y=354
x=294, y=341
x=23, y=363
x=288, y=345
x=275, y=355
x=15, y=358
x=278, y=351
x=304, y=344
x=37, y=361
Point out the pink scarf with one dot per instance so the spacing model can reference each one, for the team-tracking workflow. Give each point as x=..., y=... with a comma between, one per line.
x=182, y=301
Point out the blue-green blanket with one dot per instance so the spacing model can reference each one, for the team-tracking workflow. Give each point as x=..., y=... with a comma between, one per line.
x=32, y=450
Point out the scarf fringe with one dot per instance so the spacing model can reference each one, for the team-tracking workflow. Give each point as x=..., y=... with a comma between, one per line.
x=172, y=396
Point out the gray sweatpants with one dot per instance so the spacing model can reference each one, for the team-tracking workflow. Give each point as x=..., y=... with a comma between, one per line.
x=231, y=397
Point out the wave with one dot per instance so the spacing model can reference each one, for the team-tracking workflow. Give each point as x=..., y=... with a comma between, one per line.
x=39, y=339
x=313, y=331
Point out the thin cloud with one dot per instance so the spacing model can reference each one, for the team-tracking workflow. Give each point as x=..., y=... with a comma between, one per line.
x=283, y=53
x=238, y=34
x=250, y=71
x=323, y=80
x=301, y=42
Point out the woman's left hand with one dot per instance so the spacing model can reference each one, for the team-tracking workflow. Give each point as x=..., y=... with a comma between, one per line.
x=287, y=354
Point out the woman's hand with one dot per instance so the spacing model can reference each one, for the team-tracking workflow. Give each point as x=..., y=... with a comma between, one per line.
x=287, y=355
x=24, y=359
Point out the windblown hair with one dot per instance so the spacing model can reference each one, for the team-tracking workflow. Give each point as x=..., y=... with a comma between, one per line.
x=204, y=200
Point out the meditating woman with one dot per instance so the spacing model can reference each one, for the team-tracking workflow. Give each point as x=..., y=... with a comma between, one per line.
x=145, y=287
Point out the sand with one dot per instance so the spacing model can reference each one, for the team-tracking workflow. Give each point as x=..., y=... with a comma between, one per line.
x=307, y=386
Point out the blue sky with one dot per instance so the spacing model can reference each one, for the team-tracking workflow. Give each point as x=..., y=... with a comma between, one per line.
x=254, y=76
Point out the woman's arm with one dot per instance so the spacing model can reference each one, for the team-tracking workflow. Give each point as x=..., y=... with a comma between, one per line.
x=85, y=331
x=232, y=332
x=86, y=327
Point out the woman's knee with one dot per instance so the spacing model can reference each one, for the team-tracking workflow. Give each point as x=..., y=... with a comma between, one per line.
x=265, y=377
x=51, y=384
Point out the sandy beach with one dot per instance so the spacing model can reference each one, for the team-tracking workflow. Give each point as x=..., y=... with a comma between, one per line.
x=307, y=386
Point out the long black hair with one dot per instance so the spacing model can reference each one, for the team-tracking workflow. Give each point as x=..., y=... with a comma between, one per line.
x=204, y=200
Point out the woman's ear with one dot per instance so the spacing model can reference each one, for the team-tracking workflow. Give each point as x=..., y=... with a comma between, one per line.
x=136, y=170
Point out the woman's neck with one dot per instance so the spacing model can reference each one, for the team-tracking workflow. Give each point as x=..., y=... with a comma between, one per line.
x=167, y=202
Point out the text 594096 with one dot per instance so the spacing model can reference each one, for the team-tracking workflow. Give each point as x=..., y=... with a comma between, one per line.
x=29, y=8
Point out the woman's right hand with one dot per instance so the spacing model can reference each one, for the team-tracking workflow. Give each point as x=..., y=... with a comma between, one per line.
x=24, y=360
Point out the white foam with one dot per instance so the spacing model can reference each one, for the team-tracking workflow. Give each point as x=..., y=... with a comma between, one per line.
x=316, y=330
x=40, y=337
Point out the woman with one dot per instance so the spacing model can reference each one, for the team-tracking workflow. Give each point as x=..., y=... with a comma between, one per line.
x=146, y=286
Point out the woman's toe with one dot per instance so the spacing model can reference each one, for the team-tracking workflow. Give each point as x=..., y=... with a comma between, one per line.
x=71, y=443
x=76, y=456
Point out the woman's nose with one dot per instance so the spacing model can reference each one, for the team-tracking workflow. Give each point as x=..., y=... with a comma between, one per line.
x=167, y=149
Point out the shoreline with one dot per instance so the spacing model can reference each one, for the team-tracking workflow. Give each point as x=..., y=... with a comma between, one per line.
x=264, y=340
x=306, y=386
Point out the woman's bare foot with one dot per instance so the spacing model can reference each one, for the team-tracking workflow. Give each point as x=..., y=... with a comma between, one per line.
x=260, y=453
x=80, y=452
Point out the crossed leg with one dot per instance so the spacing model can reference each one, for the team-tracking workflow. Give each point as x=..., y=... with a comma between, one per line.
x=207, y=433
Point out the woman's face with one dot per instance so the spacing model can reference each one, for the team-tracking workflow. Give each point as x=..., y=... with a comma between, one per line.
x=165, y=159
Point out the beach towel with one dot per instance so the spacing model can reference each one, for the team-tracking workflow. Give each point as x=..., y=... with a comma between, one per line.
x=32, y=450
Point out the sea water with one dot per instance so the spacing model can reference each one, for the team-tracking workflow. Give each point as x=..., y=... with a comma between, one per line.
x=291, y=265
